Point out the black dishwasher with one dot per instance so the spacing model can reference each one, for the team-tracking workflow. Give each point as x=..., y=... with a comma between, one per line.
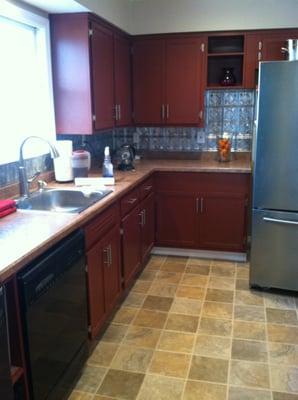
x=54, y=313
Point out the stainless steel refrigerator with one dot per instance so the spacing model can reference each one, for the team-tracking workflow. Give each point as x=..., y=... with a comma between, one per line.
x=274, y=247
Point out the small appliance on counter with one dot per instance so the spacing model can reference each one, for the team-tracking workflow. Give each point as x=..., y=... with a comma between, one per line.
x=126, y=155
x=62, y=164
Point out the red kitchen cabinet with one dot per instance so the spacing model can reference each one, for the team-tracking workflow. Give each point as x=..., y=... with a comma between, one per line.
x=91, y=74
x=264, y=46
x=104, y=280
x=131, y=244
x=103, y=79
x=148, y=81
x=222, y=221
x=184, y=93
x=176, y=219
x=167, y=80
x=122, y=73
x=147, y=226
x=202, y=211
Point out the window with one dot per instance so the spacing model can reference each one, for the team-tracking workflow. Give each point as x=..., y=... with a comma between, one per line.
x=26, y=100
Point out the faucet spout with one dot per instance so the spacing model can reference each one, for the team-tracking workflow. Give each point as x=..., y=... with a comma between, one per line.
x=23, y=180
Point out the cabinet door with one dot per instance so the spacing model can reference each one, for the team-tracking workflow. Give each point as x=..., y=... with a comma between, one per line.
x=184, y=61
x=122, y=80
x=148, y=226
x=272, y=44
x=131, y=244
x=176, y=218
x=148, y=81
x=103, y=77
x=222, y=221
x=96, y=297
x=110, y=246
x=252, y=57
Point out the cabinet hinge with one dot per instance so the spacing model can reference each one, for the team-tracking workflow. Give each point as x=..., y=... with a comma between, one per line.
x=86, y=267
x=246, y=202
x=90, y=32
x=89, y=328
x=93, y=117
x=202, y=47
x=131, y=50
x=121, y=231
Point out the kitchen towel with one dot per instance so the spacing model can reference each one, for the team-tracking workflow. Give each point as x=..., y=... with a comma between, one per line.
x=7, y=204
x=8, y=211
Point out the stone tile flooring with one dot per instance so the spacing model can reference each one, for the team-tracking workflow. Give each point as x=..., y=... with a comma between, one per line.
x=191, y=329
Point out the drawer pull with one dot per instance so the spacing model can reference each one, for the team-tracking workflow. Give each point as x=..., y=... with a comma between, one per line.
x=280, y=221
x=148, y=187
x=132, y=201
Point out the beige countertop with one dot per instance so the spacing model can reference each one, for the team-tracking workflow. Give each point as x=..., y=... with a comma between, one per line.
x=26, y=234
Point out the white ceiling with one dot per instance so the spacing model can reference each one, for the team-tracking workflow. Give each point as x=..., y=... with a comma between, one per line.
x=57, y=6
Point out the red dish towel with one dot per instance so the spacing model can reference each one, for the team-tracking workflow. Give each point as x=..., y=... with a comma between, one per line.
x=9, y=210
x=7, y=204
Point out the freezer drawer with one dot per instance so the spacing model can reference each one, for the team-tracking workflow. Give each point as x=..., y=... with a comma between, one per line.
x=274, y=250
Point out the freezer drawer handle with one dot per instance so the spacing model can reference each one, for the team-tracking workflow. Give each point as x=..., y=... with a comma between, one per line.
x=280, y=221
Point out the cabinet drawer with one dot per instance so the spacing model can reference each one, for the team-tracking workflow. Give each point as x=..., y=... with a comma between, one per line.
x=129, y=201
x=100, y=225
x=146, y=188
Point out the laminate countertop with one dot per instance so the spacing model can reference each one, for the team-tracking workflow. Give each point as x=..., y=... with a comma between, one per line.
x=26, y=234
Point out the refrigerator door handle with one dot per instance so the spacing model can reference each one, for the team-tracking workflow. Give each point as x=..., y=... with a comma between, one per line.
x=280, y=221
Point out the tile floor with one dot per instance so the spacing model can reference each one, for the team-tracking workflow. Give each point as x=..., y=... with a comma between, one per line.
x=191, y=329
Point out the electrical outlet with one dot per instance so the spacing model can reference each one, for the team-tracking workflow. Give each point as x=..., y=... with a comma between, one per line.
x=201, y=137
x=135, y=137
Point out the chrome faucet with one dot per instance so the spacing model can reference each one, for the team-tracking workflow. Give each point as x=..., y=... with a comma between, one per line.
x=23, y=180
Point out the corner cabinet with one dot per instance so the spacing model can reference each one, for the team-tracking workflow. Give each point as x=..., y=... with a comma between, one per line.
x=91, y=74
x=206, y=211
x=168, y=80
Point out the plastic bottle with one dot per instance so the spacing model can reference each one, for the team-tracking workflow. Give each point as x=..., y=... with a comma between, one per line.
x=107, y=166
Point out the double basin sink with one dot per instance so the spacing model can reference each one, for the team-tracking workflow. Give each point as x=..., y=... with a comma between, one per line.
x=62, y=200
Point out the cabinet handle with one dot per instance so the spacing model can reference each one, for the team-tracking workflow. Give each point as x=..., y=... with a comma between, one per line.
x=110, y=255
x=119, y=112
x=115, y=116
x=106, y=251
x=259, y=55
x=202, y=205
x=260, y=45
x=201, y=114
x=142, y=218
x=162, y=111
x=168, y=111
x=132, y=201
x=147, y=188
x=197, y=205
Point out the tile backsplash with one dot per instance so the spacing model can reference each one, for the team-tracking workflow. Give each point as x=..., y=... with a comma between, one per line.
x=227, y=110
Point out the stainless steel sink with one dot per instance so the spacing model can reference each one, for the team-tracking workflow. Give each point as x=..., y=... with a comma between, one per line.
x=62, y=200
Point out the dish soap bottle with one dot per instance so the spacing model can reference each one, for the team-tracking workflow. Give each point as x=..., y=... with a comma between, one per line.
x=107, y=166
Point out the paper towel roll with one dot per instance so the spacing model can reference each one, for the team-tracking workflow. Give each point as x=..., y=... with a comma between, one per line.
x=62, y=164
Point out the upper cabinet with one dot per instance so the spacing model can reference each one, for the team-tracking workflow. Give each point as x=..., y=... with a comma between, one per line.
x=168, y=80
x=264, y=46
x=91, y=75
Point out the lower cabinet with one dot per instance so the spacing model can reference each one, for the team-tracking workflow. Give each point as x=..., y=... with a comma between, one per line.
x=175, y=219
x=202, y=211
x=138, y=233
x=104, y=270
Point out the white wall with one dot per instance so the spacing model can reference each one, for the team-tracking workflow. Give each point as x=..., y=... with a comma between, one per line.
x=118, y=12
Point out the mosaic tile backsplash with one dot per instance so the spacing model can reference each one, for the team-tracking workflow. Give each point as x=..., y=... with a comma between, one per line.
x=228, y=110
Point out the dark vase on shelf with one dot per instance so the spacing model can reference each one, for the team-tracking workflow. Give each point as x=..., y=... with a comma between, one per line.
x=228, y=77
